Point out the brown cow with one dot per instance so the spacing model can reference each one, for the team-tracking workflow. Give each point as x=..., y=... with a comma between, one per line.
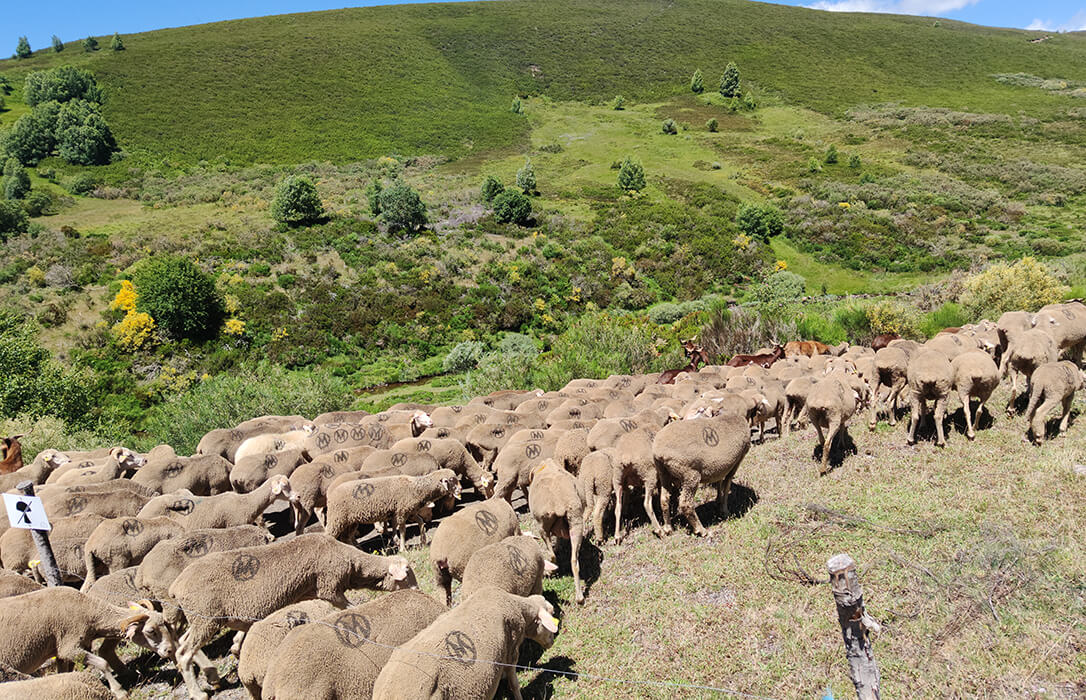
x=763, y=360
x=13, y=454
x=883, y=340
x=809, y=348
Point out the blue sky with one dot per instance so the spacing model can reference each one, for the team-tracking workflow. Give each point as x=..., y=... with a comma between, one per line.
x=71, y=21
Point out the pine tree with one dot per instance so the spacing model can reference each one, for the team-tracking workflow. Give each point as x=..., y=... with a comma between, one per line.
x=526, y=178
x=90, y=44
x=517, y=107
x=631, y=175
x=697, y=84
x=729, y=82
x=116, y=44
x=58, y=45
x=831, y=155
x=22, y=50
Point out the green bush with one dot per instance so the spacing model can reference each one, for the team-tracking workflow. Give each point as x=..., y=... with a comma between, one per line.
x=729, y=82
x=38, y=203
x=13, y=219
x=82, y=135
x=518, y=344
x=491, y=188
x=697, y=83
x=90, y=44
x=463, y=357
x=82, y=184
x=16, y=181
x=61, y=84
x=179, y=296
x=831, y=155
x=854, y=162
x=1024, y=285
x=813, y=165
x=402, y=208
x=512, y=207
x=631, y=175
x=665, y=312
x=780, y=288
x=116, y=44
x=619, y=103
x=33, y=383
x=760, y=222
x=729, y=332
x=949, y=315
x=815, y=326
x=286, y=280
x=58, y=45
x=669, y=127
x=296, y=202
x=22, y=49
x=853, y=318
x=517, y=107
x=712, y=125
x=373, y=196
x=526, y=178
x=33, y=136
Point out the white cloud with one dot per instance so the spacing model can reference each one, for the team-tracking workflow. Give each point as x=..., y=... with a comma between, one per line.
x=900, y=7
x=1077, y=23
x=1039, y=25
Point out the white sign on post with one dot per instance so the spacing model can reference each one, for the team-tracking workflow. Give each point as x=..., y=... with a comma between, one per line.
x=26, y=512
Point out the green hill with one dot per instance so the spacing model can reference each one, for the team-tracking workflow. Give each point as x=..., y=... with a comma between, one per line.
x=353, y=84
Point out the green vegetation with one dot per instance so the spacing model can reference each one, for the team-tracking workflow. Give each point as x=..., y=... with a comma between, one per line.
x=22, y=49
x=631, y=175
x=115, y=43
x=729, y=81
x=297, y=202
x=697, y=83
x=34, y=385
x=759, y=222
x=402, y=208
x=526, y=178
x=16, y=182
x=58, y=45
x=90, y=44
x=512, y=207
x=180, y=298
x=491, y=188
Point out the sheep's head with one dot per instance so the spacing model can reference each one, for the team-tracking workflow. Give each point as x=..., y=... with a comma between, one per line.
x=486, y=484
x=400, y=575
x=422, y=420
x=280, y=488
x=127, y=458
x=147, y=628
x=55, y=459
x=451, y=483
x=542, y=625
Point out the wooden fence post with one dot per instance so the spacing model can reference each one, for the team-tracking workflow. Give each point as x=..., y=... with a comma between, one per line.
x=855, y=623
x=48, y=562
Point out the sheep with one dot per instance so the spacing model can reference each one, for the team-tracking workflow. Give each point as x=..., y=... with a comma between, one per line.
x=340, y=417
x=830, y=404
x=485, y=440
x=451, y=454
x=597, y=478
x=233, y=588
x=62, y=622
x=1026, y=352
x=635, y=465
x=574, y=409
x=263, y=639
x=126, y=459
x=99, y=473
x=37, y=471
x=121, y=542
x=556, y=501
x=770, y=402
x=393, y=500
x=67, y=538
x=310, y=483
x=1053, y=383
x=12, y=583
x=461, y=534
x=203, y=475
x=253, y=470
x=515, y=462
x=515, y=565
x=109, y=500
x=79, y=685
x=355, y=642
x=702, y=450
x=796, y=393
x=891, y=371
x=488, y=627
x=224, y=510
x=975, y=376
x=930, y=378
x=225, y=441
x=378, y=431
x=275, y=442
x=119, y=587
x=1066, y=323
x=1008, y=327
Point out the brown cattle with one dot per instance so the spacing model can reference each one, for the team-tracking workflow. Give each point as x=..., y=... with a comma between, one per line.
x=763, y=360
x=808, y=348
x=883, y=340
x=12, y=454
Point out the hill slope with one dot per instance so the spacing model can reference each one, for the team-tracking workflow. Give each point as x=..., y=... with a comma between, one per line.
x=352, y=84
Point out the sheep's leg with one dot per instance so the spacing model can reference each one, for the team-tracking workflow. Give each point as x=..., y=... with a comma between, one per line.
x=513, y=682
x=422, y=529
x=650, y=488
x=1039, y=419
x=599, y=508
x=873, y=421
x=827, y=446
x=99, y=663
x=322, y=516
x=1014, y=391
x=207, y=667
x=301, y=518
x=239, y=639
x=895, y=396
x=1067, y=403
x=187, y=648
x=618, y=487
x=403, y=535
x=723, y=490
x=821, y=436
x=575, y=560
x=915, y=411
x=687, y=495
x=964, y=396
x=940, y=414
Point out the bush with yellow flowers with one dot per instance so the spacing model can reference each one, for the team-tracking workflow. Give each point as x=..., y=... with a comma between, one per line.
x=136, y=331
x=1026, y=285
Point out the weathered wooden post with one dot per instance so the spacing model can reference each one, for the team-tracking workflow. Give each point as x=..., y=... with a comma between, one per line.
x=48, y=562
x=855, y=624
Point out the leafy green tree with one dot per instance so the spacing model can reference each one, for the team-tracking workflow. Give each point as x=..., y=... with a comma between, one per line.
x=82, y=135
x=631, y=175
x=729, y=82
x=669, y=127
x=37, y=203
x=831, y=155
x=402, y=208
x=373, y=196
x=517, y=107
x=512, y=207
x=116, y=44
x=296, y=202
x=90, y=44
x=22, y=49
x=780, y=288
x=760, y=222
x=33, y=136
x=712, y=125
x=33, y=383
x=463, y=356
x=61, y=84
x=58, y=45
x=526, y=178
x=179, y=296
x=16, y=182
x=491, y=188
x=697, y=83
x=13, y=219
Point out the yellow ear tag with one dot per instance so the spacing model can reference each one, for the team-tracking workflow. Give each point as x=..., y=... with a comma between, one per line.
x=33, y=563
x=133, y=606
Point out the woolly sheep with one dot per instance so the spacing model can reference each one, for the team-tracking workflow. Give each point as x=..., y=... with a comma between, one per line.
x=275, y=442
x=263, y=639
x=253, y=470
x=515, y=462
x=12, y=583
x=451, y=454
x=930, y=379
x=36, y=472
x=515, y=565
x=891, y=371
x=634, y=465
x=223, y=510
x=556, y=501
x=1026, y=352
x=597, y=483
x=98, y=473
x=118, y=587
x=830, y=404
x=310, y=483
x=1053, y=383
x=976, y=376
x=464, y=532
x=121, y=542
x=203, y=475
x=125, y=459
x=67, y=539
x=225, y=441
x=80, y=685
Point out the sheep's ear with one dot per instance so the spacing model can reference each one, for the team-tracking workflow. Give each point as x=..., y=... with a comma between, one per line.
x=397, y=569
x=549, y=566
x=548, y=621
x=277, y=486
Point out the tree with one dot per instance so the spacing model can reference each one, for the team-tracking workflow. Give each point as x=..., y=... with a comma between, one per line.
x=33, y=383
x=22, y=49
x=90, y=44
x=491, y=188
x=373, y=196
x=58, y=45
x=82, y=135
x=16, y=182
x=296, y=202
x=619, y=103
x=526, y=178
x=116, y=44
x=669, y=127
x=33, y=136
x=512, y=207
x=517, y=107
x=13, y=219
x=831, y=155
x=712, y=125
x=761, y=222
x=402, y=208
x=179, y=296
x=854, y=161
x=61, y=84
x=631, y=175
x=697, y=83
x=729, y=82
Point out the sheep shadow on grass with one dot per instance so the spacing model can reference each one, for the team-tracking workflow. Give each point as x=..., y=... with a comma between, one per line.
x=841, y=448
x=542, y=686
x=741, y=498
x=591, y=559
x=984, y=420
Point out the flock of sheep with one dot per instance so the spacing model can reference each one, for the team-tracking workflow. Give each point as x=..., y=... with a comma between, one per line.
x=170, y=551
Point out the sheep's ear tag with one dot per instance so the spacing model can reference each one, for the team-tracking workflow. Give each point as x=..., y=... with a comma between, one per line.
x=549, y=566
x=135, y=606
x=33, y=563
x=549, y=622
x=277, y=487
x=398, y=569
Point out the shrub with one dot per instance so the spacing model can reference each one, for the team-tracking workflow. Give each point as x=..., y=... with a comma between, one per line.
x=463, y=357
x=82, y=184
x=1024, y=285
x=631, y=175
x=712, y=125
x=179, y=296
x=33, y=383
x=82, y=135
x=13, y=219
x=90, y=44
x=619, y=103
x=22, y=49
x=491, y=188
x=853, y=318
x=949, y=315
x=729, y=332
x=38, y=203
x=518, y=344
x=526, y=178
x=697, y=83
x=517, y=107
x=512, y=207
x=61, y=84
x=286, y=280
x=669, y=127
x=116, y=44
x=16, y=182
x=813, y=165
x=890, y=316
x=831, y=155
x=373, y=196
x=136, y=331
x=33, y=136
x=296, y=202
x=854, y=161
x=58, y=45
x=760, y=222
x=599, y=344
x=402, y=208
x=729, y=82
x=780, y=288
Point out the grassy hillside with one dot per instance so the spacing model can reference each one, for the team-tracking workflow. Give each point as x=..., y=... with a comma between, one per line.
x=353, y=84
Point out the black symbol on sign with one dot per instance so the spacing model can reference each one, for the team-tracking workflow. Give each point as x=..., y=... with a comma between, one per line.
x=460, y=647
x=131, y=527
x=270, y=461
x=358, y=433
x=363, y=490
x=399, y=459
x=423, y=446
x=710, y=437
x=517, y=561
x=352, y=629
x=532, y=451
x=297, y=619
x=341, y=436
x=487, y=522
x=323, y=440
x=340, y=457
x=174, y=469
x=76, y=504
x=627, y=425
x=183, y=506
x=196, y=547
x=24, y=509
x=244, y=567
